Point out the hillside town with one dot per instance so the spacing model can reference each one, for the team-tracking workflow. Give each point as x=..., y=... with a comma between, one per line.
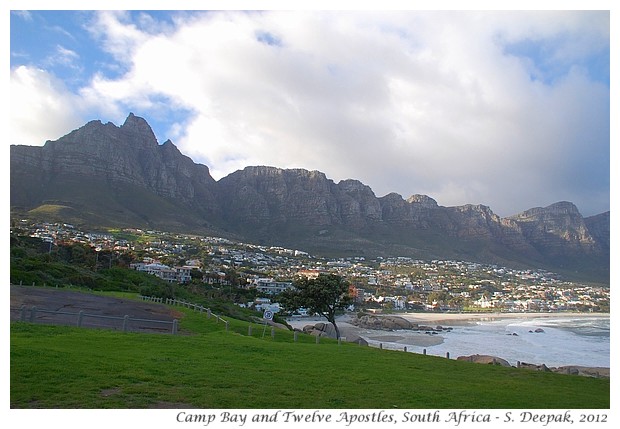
x=378, y=284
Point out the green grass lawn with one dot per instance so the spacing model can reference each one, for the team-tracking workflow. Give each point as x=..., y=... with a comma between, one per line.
x=208, y=367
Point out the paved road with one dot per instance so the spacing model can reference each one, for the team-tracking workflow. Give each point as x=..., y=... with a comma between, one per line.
x=72, y=301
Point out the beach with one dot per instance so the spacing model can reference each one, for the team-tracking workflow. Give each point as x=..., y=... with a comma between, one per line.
x=554, y=339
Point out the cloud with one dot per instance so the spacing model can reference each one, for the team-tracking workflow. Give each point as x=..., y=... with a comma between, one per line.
x=23, y=14
x=35, y=94
x=64, y=57
x=498, y=108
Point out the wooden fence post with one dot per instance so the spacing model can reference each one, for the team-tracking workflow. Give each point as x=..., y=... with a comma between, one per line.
x=249, y=330
x=226, y=322
x=424, y=352
x=295, y=336
x=33, y=314
x=80, y=317
x=447, y=355
x=125, y=323
x=175, y=326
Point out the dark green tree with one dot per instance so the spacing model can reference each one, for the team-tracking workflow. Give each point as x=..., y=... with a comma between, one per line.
x=324, y=295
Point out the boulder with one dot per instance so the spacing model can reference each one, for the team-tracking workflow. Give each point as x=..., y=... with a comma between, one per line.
x=401, y=323
x=308, y=328
x=570, y=370
x=328, y=329
x=357, y=340
x=596, y=372
x=485, y=359
x=535, y=367
x=386, y=323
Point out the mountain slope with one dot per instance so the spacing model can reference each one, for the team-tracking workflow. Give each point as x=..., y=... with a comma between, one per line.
x=120, y=176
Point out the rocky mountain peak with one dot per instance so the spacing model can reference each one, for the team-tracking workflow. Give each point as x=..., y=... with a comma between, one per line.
x=351, y=185
x=559, y=209
x=557, y=227
x=564, y=207
x=423, y=201
x=139, y=131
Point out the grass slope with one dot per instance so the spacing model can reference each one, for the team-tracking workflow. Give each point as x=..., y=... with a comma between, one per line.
x=209, y=367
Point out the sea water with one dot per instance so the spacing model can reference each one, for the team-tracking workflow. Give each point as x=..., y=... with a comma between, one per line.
x=582, y=341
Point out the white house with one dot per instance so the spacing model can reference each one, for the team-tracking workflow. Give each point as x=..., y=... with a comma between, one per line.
x=270, y=286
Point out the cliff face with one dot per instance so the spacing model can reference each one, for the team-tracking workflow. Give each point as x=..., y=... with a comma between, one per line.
x=558, y=229
x=259, y=195
x=599, y=227
x=122, y=171
x=124, y=177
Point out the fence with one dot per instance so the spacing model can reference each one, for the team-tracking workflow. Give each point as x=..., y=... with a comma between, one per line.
x=126, y=320
x=250, y=330
x=178, y=302
x=79, y=318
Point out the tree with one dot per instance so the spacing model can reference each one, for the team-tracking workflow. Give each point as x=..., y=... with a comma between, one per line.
x=324, y=295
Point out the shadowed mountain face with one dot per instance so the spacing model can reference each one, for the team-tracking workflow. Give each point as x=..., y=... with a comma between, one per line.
x=104, y=175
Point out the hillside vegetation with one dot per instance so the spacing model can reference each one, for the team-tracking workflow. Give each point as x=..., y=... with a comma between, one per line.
x=78, y=265
x=207, y=366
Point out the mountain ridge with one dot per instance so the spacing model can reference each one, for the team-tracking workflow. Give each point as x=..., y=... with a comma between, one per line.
x=122, y=176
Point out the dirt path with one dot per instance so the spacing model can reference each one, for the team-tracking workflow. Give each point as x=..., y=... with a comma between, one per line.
x=70, y=301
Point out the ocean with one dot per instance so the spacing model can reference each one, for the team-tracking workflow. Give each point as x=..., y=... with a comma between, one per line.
x=582, y=341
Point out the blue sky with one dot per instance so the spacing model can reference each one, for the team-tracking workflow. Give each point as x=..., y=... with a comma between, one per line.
x=506, y=109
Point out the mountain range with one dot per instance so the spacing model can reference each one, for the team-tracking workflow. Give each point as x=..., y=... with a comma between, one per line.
x=103, y=175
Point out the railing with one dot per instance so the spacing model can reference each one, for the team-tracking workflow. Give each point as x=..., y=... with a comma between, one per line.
x=81, y=316
x=174, y=329
x=190, y=305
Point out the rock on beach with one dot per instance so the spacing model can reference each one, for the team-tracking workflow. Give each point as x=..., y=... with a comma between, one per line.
x=596, y=372
x=322, y=329
x=392, y=323
x=485, y=359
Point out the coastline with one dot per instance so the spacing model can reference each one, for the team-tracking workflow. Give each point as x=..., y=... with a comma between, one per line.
x=460, y=318
x=441, y=341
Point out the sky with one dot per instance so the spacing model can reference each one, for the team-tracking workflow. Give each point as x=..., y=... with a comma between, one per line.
x=509, y=109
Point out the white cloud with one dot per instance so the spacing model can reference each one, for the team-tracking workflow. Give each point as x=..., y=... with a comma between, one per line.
x=35, y=94
x=23, y=14
x=64, y=57
x=406, y=102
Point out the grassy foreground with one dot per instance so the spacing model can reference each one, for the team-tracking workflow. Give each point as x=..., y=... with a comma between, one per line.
x=207, y=367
